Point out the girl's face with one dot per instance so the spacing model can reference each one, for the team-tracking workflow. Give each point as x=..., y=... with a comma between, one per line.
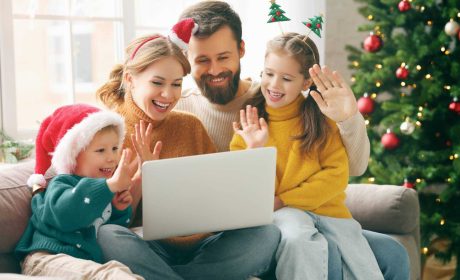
x=281, y=81
x=100, y=158
x=157, y=89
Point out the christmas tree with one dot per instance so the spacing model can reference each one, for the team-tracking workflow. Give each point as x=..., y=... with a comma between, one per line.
x=276, y=13
x=409, y=68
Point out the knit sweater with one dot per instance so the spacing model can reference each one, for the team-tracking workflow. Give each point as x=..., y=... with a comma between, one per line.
x=182, y=134
x=66, y=217
x=315, y=182
x=218, y=121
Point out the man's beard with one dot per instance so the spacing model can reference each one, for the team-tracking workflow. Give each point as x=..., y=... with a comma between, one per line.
x=220, y=94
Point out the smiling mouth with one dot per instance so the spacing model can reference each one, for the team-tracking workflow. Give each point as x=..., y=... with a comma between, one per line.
x=275, y=95
x=106, y=171
x=160, y=105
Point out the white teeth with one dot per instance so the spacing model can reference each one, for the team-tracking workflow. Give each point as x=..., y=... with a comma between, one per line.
x=275, y=94
x=106, y=170
x=162, y=105
x=216, y=80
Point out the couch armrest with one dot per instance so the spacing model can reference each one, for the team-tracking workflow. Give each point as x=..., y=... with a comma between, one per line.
x=384, y=208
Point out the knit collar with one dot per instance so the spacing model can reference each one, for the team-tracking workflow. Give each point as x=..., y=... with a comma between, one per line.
x=286, y=112
x=132, y=107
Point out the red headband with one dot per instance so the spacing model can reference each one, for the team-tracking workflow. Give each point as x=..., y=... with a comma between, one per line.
x=143, y=42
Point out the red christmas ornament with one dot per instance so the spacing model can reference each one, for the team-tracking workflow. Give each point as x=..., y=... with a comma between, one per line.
x=318, y=25
x=454, y=106
x=365, y=105
x=390, y=141
x=278, y=13
x=373, y=43
x=404, y=6
x=402, y=73
x=408, y=184
x=309, y=25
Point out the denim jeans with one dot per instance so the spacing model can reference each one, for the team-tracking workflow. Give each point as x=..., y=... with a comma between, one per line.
x=235, y=254
x=303, y=250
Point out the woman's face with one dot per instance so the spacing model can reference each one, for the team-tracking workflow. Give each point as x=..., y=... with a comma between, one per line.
x=157, y=89
x=281, y=81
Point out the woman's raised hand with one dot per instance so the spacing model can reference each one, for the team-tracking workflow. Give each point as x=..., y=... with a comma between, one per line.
x=253, y=130
x=142, y=140
x=336, y=100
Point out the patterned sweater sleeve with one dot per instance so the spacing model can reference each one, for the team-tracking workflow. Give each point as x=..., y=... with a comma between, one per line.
x=354, y=136
x=121, y=217
x=71, y=203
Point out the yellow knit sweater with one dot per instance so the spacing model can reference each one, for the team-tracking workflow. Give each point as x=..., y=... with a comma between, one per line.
x=182, y=134
x=314, y=182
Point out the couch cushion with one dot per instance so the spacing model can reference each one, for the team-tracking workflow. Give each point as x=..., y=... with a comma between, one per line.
x=14, y=203
x=384, y=208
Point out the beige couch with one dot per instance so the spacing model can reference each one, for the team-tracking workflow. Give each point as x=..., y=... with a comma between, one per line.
x=393, y=210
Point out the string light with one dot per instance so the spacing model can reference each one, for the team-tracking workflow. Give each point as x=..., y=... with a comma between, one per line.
x=373, y=95
x=425, y=250
x=367, y=122
x=447, y=52
x=403, y=84
x=355, y=63
x=456, y=156
x=378, y=84
x=449, y=180
x=443, y=49
x=422, y=8
x=429, y=22
x=371, y=179
x=447, y=87
x=353, y=79
x=418, y=123
x=438, y=200
x=451, y=157
x=418, y=180
x=414, y=85
x=442, y=222
x=420, y=108
x=428, y=76
x=370, y=17
x=378, y=66
x=418, y=67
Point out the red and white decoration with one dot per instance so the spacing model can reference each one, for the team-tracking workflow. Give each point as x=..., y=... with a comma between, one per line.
x=65, y=133
x=372, y=43
x=404, y=6
x=365, y=105
x=454, y=106
x=402, y=73
x=452, y=28
x=182, y=31
x=390, y=141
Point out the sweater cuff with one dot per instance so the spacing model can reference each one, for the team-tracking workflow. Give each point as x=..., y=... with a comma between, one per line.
x=351, y=123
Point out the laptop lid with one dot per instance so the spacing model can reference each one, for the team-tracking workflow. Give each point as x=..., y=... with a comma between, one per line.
x=208, y=193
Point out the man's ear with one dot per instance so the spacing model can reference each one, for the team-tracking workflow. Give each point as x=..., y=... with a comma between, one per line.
x=242, y=48
x=307, y=83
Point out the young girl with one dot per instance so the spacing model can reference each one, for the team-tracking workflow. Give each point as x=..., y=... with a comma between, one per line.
x=145, y=89
x=91, y=187
x=312, y=167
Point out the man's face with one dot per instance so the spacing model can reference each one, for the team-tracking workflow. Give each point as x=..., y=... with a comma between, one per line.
x=215, y=64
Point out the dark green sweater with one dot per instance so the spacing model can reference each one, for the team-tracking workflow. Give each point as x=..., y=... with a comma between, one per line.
x=66, y=217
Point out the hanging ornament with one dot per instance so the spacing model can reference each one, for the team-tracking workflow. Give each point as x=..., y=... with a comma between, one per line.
x=408, y=184
x=372, y=43
x=402, y=72
x=404, y=6
x=451, y=28
x=390, y=141
x=407, y=127
x=365, y=104
x=454, y=106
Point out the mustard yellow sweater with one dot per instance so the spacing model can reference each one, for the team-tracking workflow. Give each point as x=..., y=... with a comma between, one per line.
x=182, y=134
x=314, y=182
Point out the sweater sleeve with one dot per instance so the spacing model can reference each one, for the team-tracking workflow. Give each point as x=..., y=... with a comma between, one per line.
x=354, y=136
x=121, y=217
x=68, y=206
x=237, y=143
x=325, y=184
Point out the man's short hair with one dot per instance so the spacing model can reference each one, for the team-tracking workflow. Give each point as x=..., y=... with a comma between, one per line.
x=213, y=15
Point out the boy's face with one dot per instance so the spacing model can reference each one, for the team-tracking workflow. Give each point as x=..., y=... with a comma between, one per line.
x=281, y=81
x=215, y=62
x=157, y=89
x=101, y=156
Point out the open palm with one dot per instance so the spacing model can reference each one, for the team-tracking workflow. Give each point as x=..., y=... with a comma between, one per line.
x=254, y=131
x=336, y=101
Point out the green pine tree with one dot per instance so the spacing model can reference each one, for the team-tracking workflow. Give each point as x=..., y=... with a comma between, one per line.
x=276, y=13
x=415, y=40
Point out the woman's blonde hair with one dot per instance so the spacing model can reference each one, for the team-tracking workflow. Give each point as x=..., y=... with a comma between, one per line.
x=140, y=54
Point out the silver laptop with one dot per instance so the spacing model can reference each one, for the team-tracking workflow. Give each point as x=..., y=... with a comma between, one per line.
x=208, y=193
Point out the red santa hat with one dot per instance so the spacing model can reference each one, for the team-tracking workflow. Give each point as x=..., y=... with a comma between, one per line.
x=65, y=133
x=182, y=31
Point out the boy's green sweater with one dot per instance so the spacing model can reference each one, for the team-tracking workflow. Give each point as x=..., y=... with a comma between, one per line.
x=66, y=217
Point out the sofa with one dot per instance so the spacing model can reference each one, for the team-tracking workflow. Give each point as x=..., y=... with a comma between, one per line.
x=393, y=210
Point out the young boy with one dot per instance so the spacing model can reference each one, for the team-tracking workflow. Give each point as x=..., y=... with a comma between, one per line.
x=82, y=143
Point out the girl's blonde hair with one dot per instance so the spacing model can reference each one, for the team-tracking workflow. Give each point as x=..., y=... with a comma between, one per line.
x=314, y=124
x=140, y=54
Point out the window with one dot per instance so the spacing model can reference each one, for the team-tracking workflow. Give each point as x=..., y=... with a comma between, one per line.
x=56, y=52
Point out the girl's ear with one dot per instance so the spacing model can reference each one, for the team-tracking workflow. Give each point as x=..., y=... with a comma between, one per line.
x=128, y=80
x=307, y=84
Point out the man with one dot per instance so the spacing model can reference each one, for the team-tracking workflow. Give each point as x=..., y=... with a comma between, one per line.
x=214, y=53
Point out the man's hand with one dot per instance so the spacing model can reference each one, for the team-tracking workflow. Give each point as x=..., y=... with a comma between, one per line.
x=336, y=100
x=122, y=200
x=253, y=130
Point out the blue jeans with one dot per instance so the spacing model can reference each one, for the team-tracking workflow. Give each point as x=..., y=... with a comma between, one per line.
x=235, y=254
x=303, y=250
x=391, y=256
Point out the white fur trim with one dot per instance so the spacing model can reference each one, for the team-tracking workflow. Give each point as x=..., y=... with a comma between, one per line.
x=80, y=135
x=178, y=41
x=36, y=179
